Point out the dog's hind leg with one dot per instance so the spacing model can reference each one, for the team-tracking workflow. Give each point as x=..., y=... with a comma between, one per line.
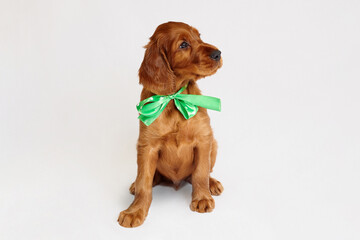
x=215, y=186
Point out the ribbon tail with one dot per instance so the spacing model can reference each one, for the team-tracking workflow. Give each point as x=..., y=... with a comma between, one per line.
x=187, y=109
x=208, y=102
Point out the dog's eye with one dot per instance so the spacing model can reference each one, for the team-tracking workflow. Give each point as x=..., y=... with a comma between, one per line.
x=184, y=45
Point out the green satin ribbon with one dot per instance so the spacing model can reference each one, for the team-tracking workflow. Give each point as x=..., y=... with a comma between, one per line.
x=187, y=104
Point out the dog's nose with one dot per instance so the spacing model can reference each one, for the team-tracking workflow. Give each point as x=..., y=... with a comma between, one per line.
x=215, y=55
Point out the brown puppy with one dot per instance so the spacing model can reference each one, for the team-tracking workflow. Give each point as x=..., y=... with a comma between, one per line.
x=172, y=148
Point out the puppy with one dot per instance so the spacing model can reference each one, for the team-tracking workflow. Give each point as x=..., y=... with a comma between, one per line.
x=172, y=148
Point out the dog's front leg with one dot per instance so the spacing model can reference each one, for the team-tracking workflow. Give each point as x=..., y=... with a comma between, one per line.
x=135, y=215
x=201, y=197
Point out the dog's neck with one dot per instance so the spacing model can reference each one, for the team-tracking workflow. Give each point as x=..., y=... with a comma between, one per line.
x=180, y=84
x=191, y=89
x=189, y=84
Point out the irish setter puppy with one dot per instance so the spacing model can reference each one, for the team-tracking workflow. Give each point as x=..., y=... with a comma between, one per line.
x=173, y=149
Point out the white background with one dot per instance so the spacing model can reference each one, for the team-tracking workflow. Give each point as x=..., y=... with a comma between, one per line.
x=288, y=133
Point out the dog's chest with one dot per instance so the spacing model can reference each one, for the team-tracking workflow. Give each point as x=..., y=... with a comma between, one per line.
x=178, y=133
x=178, y=138
x=175, y=129
x=176, y=155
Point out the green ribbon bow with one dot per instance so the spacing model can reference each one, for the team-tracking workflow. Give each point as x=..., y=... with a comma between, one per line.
x=187, y=104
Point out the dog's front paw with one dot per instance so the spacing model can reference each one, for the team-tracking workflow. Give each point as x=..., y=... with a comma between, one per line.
x=202, y=205
x=129, y=218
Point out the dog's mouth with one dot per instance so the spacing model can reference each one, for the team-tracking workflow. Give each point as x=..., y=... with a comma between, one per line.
x=211, y=68
x=219, y=64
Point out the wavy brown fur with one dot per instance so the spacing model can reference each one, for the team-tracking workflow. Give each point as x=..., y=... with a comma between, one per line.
x=173, y=149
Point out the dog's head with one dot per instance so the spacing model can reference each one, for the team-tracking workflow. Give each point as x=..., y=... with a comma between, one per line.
x=176, y=54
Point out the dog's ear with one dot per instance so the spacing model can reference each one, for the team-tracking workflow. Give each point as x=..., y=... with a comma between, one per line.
x=155, y=72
